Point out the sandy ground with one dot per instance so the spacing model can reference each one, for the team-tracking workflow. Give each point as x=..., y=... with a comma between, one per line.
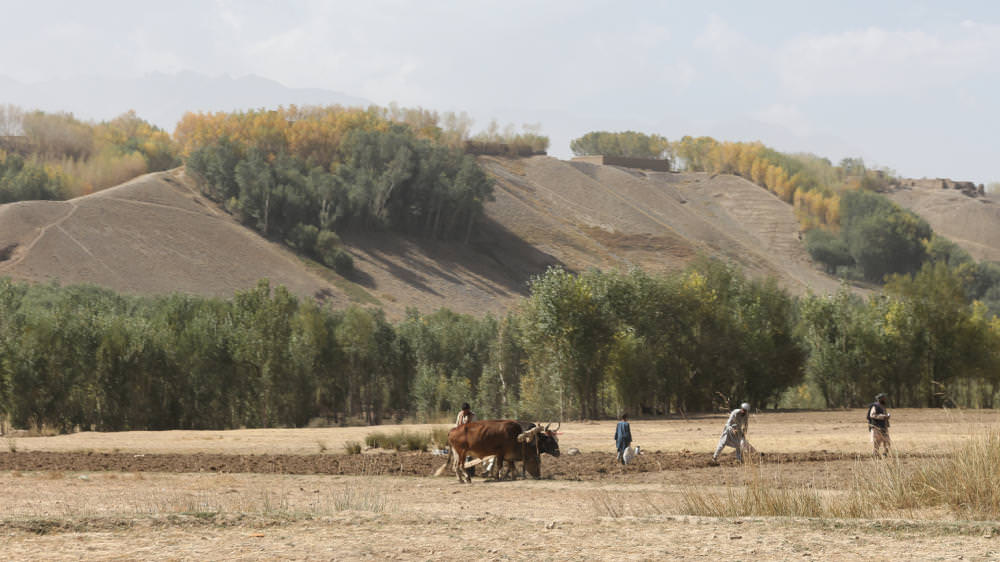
x=631, y=513
x=195, y=516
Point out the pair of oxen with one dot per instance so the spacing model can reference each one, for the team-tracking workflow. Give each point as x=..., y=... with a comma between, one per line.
x=506, y=440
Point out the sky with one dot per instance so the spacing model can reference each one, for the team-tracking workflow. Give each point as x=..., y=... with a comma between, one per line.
x=911, y=86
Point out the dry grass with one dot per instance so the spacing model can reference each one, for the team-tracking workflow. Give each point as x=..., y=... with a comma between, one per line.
x=763, y=493
x=361, y=498
x=103, y=496
x=965, y=481
x=403, y=440
x=617, y=505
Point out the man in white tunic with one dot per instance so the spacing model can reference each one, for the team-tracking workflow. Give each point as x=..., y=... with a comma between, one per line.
x=734, y=434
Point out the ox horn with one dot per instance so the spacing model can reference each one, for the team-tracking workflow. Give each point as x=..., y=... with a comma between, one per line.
x=558, y=425
x=529, y=436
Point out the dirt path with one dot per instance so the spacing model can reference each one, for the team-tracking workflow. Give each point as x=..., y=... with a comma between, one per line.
x=23, y=252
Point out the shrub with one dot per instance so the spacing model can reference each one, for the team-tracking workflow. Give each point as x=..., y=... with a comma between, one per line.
x=326, y=243
x=352, y=447
x=330, y=252
x=303, y=237
x=399, y=441
x=415, y=441
x=343, y=263
x=377, y=439
x=828, y=249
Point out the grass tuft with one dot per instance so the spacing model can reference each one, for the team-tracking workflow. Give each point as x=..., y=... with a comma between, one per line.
x=407, y=440
x=760, y=495
x=361, y=498
x=606, y=504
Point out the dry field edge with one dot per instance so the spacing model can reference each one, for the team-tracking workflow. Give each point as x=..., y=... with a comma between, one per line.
x=291, y=494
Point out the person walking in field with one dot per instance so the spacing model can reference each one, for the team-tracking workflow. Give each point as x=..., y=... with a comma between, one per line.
x=878, y=424
x=623, y=437
x=735, y=433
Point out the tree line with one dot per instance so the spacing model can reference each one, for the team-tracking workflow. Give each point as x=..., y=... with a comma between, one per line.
x=58, y=156
x=629, y=144
x=306, y=176
x=581, y=345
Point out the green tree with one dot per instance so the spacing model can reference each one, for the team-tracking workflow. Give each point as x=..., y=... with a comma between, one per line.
x=627, y=143
x=568, y=324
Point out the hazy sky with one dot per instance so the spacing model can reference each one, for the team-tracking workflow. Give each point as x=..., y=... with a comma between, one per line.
x=908, y=85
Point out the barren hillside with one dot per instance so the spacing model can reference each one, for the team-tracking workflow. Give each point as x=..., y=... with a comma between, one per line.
x=156, y=234
x=971, y=222
x=603, y=216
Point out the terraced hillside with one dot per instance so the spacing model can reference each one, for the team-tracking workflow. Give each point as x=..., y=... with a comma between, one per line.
x=971, y=222
x=157, y=234
x=603, y=216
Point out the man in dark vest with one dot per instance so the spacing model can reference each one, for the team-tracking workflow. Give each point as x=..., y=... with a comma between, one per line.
x=878, y=424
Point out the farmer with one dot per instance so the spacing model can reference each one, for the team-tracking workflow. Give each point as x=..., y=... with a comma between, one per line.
x=878, y=424
x=465, y=415
x=735, y=433
x=623, y=437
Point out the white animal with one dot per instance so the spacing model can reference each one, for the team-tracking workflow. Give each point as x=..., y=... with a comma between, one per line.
x=630, y=453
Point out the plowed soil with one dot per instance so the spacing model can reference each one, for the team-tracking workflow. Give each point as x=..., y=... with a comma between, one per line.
x=585, y=466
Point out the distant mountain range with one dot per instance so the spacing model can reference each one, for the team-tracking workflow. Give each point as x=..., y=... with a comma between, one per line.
x=162, y=98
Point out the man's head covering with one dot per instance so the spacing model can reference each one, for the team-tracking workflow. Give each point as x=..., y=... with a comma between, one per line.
x=745, y=406
x=465, y=406
x=880, y=396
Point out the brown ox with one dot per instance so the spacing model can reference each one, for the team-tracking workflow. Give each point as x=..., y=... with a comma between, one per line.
x=503, y=439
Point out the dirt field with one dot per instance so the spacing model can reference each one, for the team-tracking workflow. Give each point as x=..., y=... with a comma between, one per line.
x=295, y=494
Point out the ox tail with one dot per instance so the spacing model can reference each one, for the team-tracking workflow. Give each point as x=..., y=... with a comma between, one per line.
x=449, y=464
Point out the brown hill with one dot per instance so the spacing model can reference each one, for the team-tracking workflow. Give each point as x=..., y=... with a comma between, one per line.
x=972, y=222
x=157, y=234
x=603, y=216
